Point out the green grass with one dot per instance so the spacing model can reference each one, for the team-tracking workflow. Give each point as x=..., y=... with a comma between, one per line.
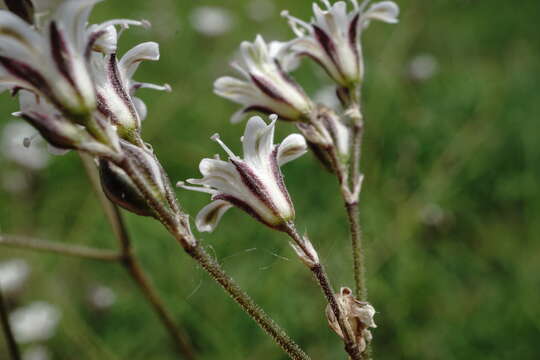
x=464, y=141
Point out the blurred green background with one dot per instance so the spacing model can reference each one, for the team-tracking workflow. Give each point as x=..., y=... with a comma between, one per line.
x=449, y=207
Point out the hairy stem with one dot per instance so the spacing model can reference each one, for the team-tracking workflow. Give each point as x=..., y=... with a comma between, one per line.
x=358, y=252
x=8, y=333
x=177, y=223
x=133, y=267
x=247, y=304
x=324, y=282
x=59, y=248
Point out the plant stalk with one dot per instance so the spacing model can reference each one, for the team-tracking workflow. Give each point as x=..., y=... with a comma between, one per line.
x=130, y=262
x=8, y=333
x=324, y=282
x=59, y=248
x=246, y=303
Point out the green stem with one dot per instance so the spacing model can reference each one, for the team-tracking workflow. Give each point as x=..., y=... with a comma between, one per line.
x=59, y=248
x=8, y=333
x=247, y=304
x=130, y=262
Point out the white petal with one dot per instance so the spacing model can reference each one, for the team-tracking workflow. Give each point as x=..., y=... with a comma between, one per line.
x=386, y=11
x=140, y=106
x=208, y=218
x=234, y=89
x=131, y=60
x=291, y=148
x=73, y=16
x=258, y=141
x=17, y=39
x=107, y=43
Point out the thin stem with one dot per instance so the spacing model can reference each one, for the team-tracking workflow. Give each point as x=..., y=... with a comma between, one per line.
x=358, y=253
x=59, y=248
x=247, y=304
x=178, y=335
x=177, y=223
x=8, y=333
x=133, y=266
x=352, y=197
x=324, y=282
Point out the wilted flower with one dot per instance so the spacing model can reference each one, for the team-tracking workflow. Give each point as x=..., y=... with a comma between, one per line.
x=253, y=184
x=35, y=322
x=359, y=315
x=120, y=188
x=267, y=87
x=13, y=275
x=211, y=20
x=332, y=38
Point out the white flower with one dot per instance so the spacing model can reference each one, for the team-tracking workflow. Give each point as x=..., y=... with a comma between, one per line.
x=13, y=276
x=101, y=297
x=115, y=87
x=332, y=38
x=64, y=134
x=18, y=145
x=211, y=20
x=51, y=59
x=254, y=184
x=423, y=67
x=36, y=352
x=35, y=322
x=266, y=86
x=260, y=10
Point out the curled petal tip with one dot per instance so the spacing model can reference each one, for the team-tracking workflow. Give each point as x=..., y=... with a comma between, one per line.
x=146, y=24
x=273, y=117
x=215, y=137
x=285, y=13
x=17, y=114
x=180, y=184
x=167, y=87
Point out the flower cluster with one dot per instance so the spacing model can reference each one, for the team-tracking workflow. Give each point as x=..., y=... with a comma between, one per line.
x=77, y=93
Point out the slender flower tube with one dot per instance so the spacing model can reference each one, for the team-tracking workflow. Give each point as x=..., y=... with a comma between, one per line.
x=332, y=38
x=266, y=87
x=254, y=184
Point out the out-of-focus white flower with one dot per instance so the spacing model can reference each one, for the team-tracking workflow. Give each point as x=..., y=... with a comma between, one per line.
x=101, y=297
x=14, y=181
x=36, y=352
x=22, y=144
x=260, y=10
x=13, y=275
x=332, y=38
x=254, y=184
x=35, y=322
x=432, y=214
x=211, y=20
x=266, y=86
x=423, y=67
